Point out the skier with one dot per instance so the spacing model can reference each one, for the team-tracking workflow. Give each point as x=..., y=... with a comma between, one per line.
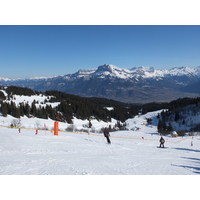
x=162, y=141
x=107, y=134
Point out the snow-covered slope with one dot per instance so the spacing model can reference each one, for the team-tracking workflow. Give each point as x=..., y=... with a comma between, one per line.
x=40, y=99
x=132, y=152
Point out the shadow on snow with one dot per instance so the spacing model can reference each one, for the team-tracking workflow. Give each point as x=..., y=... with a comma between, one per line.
x=195, y=161
x=186, y=149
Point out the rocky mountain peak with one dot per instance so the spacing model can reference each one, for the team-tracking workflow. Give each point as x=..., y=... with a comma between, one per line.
x=106, y=68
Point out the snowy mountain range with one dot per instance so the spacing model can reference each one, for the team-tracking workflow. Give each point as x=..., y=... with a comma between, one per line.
x=136, y=85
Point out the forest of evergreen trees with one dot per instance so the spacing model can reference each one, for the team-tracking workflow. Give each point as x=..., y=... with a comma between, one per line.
x=84, y=108
x=180, y=112
x=69, y=106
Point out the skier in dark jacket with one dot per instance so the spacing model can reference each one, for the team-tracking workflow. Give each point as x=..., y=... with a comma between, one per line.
x=162, y=141
x=107, y=134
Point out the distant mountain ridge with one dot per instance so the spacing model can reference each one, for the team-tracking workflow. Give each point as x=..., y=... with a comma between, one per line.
x=136, y=85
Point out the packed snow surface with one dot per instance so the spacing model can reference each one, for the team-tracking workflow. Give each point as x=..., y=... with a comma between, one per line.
x=132, y=152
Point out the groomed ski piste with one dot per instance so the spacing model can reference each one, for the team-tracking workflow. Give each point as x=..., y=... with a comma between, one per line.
x=132, y=152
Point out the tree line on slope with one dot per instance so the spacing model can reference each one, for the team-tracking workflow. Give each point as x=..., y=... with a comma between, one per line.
x=181, y=114
x=84, y=108
x=69, y=106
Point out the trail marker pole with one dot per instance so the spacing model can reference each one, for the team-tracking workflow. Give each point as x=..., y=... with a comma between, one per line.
x=56, y=128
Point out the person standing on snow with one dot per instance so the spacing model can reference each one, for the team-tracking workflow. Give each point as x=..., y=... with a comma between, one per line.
x=107, y=134
x=162, y=141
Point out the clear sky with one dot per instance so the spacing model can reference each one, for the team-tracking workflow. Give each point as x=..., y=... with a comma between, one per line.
x=30, y=51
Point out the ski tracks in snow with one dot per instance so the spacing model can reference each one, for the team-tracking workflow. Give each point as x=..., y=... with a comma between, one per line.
x=76, y=154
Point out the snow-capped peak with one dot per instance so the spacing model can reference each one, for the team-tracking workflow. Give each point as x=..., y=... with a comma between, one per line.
x=4, y=79
x=83, y=72
x=38, y=78
x=180, y=71
x=106, y=67
x=112, y=71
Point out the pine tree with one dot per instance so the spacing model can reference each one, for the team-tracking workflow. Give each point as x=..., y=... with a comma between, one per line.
x=4, y=109
x=2, y=96
x=22, y=109
x=33, y=110
x=16, y=112
x=27, y=110
x=162, y=127
x=177, y=116
x=169, y=127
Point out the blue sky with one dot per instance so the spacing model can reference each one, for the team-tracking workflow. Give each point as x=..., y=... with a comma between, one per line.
x=30, y=51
